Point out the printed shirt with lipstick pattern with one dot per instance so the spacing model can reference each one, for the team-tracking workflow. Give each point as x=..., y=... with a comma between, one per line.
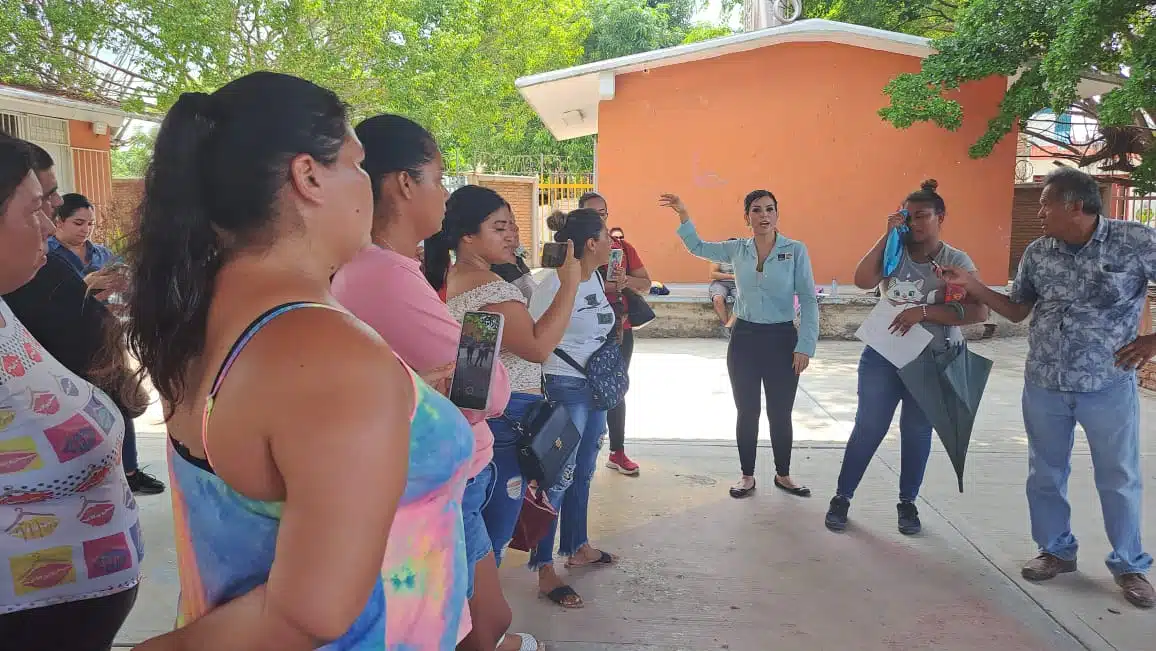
x=69, y=526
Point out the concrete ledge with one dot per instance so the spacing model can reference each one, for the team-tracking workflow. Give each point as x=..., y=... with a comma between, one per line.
x=681, y=315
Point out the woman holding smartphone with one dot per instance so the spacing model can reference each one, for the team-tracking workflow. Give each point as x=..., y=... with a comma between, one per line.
x=590, y=325
x=628, y=273
x=766, y=351
x=384, y=287
x=479, y=228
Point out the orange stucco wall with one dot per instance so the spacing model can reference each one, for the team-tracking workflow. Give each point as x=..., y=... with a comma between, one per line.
x=92, y=169
x=800, y=120
x=80, y=135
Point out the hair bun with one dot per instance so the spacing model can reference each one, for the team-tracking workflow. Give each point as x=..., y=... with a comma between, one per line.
x=929, y=185
x=557, y=220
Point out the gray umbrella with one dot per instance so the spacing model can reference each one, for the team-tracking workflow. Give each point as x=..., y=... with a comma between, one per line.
x=948, y=386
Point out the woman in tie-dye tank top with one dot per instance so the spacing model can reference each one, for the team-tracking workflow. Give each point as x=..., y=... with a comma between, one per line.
x=289, y=421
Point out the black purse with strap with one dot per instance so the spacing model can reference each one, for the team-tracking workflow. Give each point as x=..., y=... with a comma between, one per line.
x=547, y=439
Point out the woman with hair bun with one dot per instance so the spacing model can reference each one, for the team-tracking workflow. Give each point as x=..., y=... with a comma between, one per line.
x=766, y=352
x=911, y=279
x=591, y=324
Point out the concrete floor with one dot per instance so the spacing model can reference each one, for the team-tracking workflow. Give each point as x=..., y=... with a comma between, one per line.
x=701, y=571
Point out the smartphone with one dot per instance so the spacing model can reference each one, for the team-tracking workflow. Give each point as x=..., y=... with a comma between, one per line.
x=478, y=349
x=553, y=254
x=617, y=257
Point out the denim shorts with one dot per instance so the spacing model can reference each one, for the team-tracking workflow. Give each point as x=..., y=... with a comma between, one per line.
x=478, y=492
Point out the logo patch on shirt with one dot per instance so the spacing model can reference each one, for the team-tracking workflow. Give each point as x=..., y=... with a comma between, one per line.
x=786, y=256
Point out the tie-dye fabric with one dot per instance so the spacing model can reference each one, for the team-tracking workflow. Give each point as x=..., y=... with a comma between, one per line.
x=69, y=526
x=420, y=599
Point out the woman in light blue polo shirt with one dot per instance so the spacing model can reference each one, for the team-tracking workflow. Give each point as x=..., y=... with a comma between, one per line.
x=766, y=351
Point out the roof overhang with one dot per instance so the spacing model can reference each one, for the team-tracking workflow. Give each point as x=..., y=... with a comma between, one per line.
x=37, y=103
x=567, y=100
x=1092, y=84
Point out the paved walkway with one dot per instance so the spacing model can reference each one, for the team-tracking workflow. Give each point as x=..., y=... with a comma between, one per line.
x=701, y=571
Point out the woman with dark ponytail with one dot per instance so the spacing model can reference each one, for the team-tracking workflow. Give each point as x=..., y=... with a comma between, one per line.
x=383, y=286
x=479, y=227
x=285, y=414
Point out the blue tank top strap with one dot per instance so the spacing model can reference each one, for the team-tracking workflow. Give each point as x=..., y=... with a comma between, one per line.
x=235, y=351
x=251, y=331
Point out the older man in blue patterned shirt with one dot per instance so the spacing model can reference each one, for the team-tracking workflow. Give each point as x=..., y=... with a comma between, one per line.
x=1086, y=281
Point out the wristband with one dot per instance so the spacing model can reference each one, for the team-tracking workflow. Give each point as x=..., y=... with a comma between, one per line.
x=958, y=307
x=924, y=312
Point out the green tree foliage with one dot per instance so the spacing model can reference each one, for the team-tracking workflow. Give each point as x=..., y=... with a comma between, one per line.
x=623, y=27
x=1052, y=45
x=448, y=64
x=131, y=158
x=919, y=17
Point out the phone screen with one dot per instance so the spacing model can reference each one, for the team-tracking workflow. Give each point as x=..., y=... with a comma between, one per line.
x=553, y=254
x=616, y=258
x=477, y=353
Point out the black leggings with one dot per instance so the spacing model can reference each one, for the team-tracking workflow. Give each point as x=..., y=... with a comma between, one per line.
x=85, y=625
x=761, y=356
x=616, y=418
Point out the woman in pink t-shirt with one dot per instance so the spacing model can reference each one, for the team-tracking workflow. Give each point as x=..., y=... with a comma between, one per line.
x=384, y=287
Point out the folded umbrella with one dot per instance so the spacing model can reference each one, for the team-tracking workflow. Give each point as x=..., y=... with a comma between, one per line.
x=948, y=385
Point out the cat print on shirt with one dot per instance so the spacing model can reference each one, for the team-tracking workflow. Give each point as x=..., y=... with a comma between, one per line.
x=910, y=292
x=905, y=292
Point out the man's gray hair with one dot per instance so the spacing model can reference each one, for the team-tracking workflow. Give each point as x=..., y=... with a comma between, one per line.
x=1074, y=185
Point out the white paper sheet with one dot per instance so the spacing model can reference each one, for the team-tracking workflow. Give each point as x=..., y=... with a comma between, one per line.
x=900, y=350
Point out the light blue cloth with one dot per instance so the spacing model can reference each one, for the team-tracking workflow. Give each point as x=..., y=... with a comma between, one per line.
x=893, y=252
x=767, y=296
x=98, y=256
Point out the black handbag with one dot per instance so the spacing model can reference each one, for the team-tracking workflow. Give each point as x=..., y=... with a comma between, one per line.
x=637, y=309
x=547, y=440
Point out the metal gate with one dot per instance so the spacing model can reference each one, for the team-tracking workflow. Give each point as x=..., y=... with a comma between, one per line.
x=560, y=191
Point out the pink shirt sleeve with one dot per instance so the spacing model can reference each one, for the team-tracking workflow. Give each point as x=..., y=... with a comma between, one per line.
x=388, y=292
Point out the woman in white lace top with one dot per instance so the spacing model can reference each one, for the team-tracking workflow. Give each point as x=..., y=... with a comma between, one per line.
x=479, y=227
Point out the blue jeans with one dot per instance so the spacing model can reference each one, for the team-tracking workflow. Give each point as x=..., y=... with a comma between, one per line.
x=1111, y=419
x=505, y=505
x=477, y=495
x=880, y=392
x=571, y=497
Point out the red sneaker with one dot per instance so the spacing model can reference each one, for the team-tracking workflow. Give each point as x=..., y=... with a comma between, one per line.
x=622, y=463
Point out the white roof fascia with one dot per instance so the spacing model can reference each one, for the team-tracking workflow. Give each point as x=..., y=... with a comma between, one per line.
x=29, y=101
x=567, y=100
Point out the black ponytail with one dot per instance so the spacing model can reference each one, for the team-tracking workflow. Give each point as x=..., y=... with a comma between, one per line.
x=437, y=259
x=466, y=209
x=218, y=165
